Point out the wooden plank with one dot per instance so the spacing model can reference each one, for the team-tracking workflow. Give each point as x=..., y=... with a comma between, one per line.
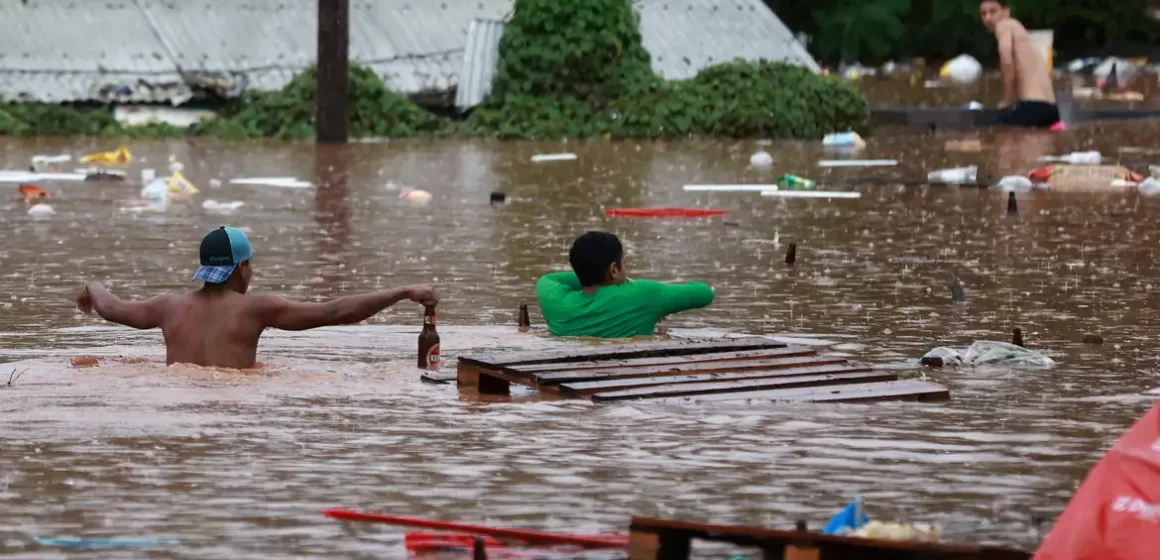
x=557, y=377
x=830, y=546
x=690, y=389
x=589, y=387
x=483, y=380
x=438, y=377
x=689, y=359
x=906, y=389
x=622, y=351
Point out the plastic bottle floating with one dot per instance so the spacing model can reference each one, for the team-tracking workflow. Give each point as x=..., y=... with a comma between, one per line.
x=120, y=156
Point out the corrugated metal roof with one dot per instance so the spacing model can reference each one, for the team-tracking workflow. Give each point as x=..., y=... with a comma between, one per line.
x=66, y=51
x=480, y=60
x=682, y=36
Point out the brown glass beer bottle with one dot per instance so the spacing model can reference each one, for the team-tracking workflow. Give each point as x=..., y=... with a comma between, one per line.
x=525, y=321
x=429, y=342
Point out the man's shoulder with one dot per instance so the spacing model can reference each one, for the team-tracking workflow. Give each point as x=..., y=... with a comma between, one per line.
x=1011, y=25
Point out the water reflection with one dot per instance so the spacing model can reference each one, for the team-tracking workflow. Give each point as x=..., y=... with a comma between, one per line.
x=241, y=464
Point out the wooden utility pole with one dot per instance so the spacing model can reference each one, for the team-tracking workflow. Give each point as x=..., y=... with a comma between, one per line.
x=332, y=123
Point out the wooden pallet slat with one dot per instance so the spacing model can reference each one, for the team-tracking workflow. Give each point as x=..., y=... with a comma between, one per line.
x=589, y=387
x=740, y=387
x=657, y=539
x=904, y=389
x=703, y=367
x=623, y=351
x=780, y=352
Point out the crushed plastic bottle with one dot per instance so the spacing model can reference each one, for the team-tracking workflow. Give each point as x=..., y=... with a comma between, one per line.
x=955, y=175
x=1077, y=158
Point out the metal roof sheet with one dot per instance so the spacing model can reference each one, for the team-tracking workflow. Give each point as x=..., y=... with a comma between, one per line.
x=65, y=51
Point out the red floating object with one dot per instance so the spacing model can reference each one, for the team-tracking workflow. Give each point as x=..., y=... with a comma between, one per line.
x=1116, y=510
x=664, y=212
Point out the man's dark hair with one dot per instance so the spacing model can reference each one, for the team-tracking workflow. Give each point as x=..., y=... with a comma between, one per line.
x=591, y=255
x=1001, y=3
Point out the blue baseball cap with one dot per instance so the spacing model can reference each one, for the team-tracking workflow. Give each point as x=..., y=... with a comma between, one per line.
x=221, y=251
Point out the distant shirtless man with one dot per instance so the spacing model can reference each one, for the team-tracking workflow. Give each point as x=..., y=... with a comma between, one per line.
x=220, y=324
x=1024, y=70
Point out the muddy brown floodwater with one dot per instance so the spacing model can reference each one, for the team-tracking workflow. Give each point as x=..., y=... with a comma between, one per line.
x=240, y=465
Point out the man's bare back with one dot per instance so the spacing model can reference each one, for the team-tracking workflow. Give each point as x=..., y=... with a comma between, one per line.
x=220, y=324
x=1032, y=81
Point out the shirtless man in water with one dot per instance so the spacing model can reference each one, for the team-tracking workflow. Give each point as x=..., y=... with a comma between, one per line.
x=220, y=324
x=1024, y=70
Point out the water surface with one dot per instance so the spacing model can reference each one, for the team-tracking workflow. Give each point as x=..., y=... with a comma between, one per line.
x=240, y=465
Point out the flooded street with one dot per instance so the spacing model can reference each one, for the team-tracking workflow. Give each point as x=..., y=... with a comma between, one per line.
x=241, y=464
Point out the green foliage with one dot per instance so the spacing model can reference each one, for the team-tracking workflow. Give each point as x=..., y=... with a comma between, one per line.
x=578, y=69
x=588, y=49
x=289, y=113
x=46, y=119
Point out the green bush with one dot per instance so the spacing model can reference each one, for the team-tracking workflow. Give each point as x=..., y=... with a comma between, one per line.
x=289, y=113
x=578, y=69
x=47, y=119
x=589, y=49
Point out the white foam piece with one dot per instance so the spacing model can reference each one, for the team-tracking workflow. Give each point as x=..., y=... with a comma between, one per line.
x=539, y=158
x=730, y=188
x=857, y=163
x=9, y=176
x=813, y=194
x=283, y=182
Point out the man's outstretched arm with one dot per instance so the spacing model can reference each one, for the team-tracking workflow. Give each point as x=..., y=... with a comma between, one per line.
x=281, y=313
x=146, y=314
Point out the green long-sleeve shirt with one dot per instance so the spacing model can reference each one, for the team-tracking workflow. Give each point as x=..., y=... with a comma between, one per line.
x=616, y=311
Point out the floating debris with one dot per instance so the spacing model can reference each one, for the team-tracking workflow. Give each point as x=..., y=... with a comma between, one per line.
x=541, y=158
x=283, y=182
x=812, y=194
x=844, y=140
x=857, y=163
x=415, y=196
x=761, y=159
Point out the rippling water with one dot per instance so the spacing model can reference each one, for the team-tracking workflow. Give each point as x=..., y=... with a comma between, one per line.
x=240, y=465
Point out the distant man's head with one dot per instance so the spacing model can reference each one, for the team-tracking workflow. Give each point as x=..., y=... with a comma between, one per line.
x=598, y=259
x=994, y=11
x=225, y=259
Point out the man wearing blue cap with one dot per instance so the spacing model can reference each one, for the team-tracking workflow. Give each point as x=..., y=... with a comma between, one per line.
x=220, y=324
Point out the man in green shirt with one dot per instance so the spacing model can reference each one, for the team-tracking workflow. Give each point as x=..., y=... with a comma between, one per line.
x=599, y=300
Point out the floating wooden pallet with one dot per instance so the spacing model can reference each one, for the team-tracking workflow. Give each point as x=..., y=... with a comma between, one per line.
x=753, y=368
x=656, y=539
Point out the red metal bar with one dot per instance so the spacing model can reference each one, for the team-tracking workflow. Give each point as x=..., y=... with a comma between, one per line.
x=531, y=537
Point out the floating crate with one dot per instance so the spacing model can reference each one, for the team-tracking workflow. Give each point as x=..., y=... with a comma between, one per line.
x=657, y=539
x=753, y=368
